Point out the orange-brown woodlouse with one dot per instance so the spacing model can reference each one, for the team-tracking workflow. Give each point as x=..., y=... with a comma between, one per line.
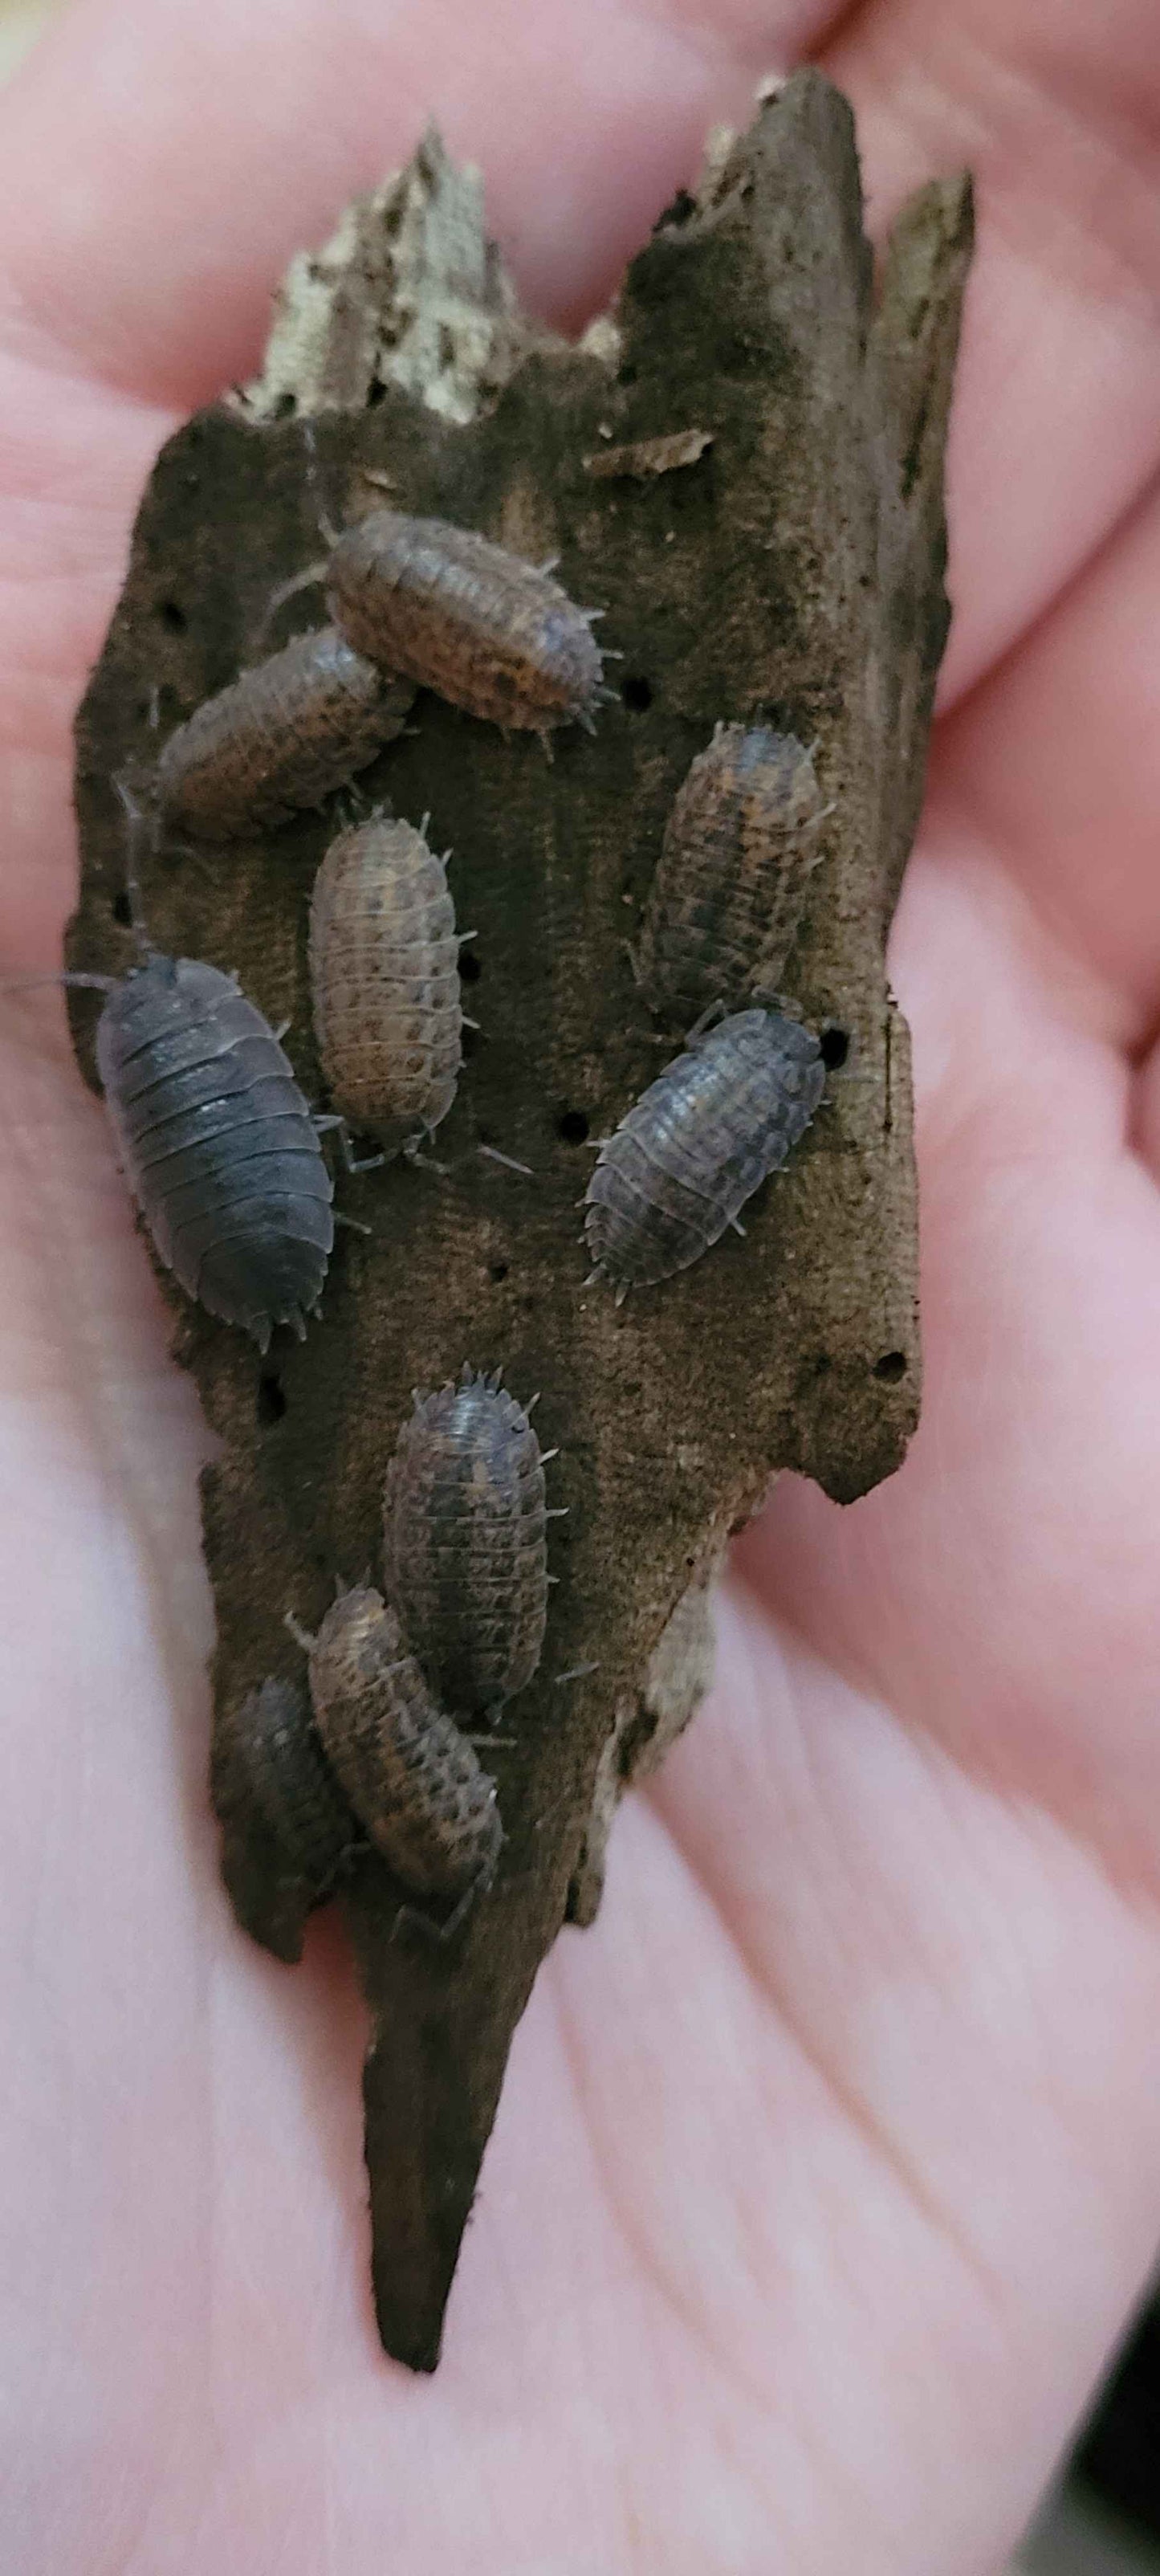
x=279, y=738
x=465, y=1541
x=487, y=631
x=738, y=852
x=698, y=1143
x=292, y=1784
x=414, y=1781
x=384, y=976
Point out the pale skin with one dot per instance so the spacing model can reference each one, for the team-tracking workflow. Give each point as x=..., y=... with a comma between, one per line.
x=829, y=2162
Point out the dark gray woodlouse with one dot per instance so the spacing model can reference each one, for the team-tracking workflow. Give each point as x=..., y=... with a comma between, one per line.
x=384, y=975
x=414, y=1781
x=739, y=848
x=464, y=1535
x=217, y=1142
x=697, y=1144
x=280, y=1757
x=487, y=631
x=280, y=737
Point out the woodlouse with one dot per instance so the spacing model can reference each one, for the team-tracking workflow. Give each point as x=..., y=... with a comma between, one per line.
x=464, y=1534
x=487, y=631
x=293, y=1786
x=414, y=1781
x=280, y=737
x=697, y=1143
x=217, y=1142
x=384, y=975
x=739, y=849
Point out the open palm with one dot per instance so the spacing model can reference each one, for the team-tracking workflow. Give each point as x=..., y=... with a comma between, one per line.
x=829, y=2163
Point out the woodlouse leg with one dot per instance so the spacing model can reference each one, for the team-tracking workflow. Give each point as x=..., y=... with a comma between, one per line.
x=493, y=1155
x=351, y=1162
x=576, y=1673
x=309, y=579
x=443, y=1932
x=301, y=1635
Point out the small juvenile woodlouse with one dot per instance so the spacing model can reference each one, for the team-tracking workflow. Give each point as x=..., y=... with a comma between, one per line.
x=384, y=976
x=738, y=852
x=279, y=738
x=292, y=1784
x=218, y=1143
x=414, y=1781
x=487, y=631
x=465, y=1541
x=698, y=1143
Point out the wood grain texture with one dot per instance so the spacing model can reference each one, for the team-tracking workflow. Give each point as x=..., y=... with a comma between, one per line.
x=793, y=574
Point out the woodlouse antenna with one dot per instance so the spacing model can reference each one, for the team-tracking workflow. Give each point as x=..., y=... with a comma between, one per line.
x=137, y=821
x=40, y=983
x=509, y=1162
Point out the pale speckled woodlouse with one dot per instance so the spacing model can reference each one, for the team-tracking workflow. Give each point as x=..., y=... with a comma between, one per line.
x=739, y=848
x=413, y=1779
x=217, y=1141
x=460, y=615
x=465, y=1541
x=698, y=1143
x=384, y=977
x=279, y=738
x=279, y=1754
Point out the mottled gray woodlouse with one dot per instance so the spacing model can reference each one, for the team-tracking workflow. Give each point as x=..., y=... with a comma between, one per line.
x=384, y=976
x=485, y=630
x=465, y=1541
x=279, y=1755
x=218, y=1143
x=698, y=1143
x=413, y=1779
x=739, y=848
x=279, y=738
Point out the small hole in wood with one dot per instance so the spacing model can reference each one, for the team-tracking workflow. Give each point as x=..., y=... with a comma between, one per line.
x=835, y=1046
x=271, y=1398
x=891, y=1367
x=122, y=910
x=173, y=617
x=497, y=1270
x=637, y=694
x=470, y=968
x=572, y=1126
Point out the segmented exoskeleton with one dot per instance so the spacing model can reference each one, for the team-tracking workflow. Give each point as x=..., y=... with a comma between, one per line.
x=698, y=1143
x=460, y=615
x=384, y=976
x=465, y=1541
x=279, y=738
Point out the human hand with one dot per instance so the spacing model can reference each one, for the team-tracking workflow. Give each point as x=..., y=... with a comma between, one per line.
x=827, y=2166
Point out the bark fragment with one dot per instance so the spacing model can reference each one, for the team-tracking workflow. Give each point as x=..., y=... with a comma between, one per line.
x=793, y=576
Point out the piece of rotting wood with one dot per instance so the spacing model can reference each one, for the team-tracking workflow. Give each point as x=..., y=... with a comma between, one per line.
x=792, y=574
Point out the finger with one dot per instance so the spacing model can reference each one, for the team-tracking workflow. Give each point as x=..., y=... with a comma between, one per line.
x=160, y=161
x=1055, y=763
x=972, y=1999
x=999, y=1592
x=1057, y=420
x=73, y=456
